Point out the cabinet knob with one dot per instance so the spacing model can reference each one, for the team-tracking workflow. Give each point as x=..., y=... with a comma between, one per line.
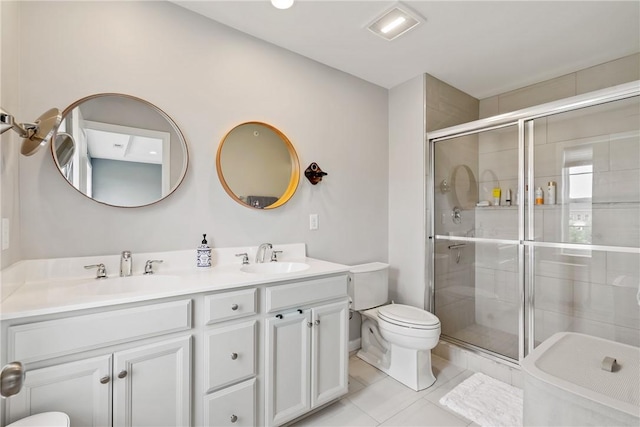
x=234, y=356
x=234, y=307
x=105, y=379
x=122, y=374
x=317, y=322
x=234, y=418
x=309, y=324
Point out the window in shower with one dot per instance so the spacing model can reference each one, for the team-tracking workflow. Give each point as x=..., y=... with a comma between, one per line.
x=576, y=212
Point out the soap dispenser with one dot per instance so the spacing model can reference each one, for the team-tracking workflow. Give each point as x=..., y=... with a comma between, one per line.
x=204, y=253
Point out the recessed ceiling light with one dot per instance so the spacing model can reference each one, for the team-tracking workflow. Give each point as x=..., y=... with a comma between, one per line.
x=394, y=23
x=282, y=4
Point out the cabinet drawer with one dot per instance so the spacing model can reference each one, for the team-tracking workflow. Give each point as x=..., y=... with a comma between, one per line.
x=230, y=354
x=234, y=406
x=297, y=294
x=229, y=305
x=53, y=338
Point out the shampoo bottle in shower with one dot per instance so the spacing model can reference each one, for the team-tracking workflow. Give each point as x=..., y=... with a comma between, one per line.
x=496, y=196
x=539, y=196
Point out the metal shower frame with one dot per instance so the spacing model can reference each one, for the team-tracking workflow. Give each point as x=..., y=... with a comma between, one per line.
x=523, y=119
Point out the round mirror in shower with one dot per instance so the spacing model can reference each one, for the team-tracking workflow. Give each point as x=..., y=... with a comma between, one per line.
x=120, y=150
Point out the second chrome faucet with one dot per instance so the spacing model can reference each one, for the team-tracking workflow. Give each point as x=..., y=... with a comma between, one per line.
x=126, y=264
x=261, y=253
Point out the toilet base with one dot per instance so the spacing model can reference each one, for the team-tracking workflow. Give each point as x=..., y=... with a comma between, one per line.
x=410, y=367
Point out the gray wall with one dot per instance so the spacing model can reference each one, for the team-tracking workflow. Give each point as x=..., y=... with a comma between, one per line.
x=9, y=141
x=407, y=170
x=208, y=78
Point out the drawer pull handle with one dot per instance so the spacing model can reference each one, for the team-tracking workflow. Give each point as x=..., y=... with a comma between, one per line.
x=122, y=374
x=234, y=307
x=300, y=311
x=234, y=356
x=234, y=418
x=279, y=316
x=105, y=379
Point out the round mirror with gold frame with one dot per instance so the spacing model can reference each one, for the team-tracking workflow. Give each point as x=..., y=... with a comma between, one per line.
x=258, y=166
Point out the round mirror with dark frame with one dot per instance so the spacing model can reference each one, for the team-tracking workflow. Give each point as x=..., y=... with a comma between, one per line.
x=258, y=166
x=120, y=150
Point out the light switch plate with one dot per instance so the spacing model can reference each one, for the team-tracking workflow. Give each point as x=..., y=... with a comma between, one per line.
x=313, y=222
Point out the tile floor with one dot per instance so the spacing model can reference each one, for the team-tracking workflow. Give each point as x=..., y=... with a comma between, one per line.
x=375, y=399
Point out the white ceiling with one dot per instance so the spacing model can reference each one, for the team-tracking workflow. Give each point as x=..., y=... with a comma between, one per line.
x=481, y=47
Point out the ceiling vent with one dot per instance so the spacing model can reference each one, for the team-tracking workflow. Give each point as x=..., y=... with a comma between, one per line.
x=394, y=23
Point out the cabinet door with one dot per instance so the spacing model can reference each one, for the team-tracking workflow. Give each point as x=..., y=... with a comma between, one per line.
x=80, y=389
x=329, y=358
x=287, y=362
x=152, y=384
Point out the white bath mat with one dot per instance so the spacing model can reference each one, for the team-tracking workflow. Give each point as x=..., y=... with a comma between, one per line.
x=486, y=401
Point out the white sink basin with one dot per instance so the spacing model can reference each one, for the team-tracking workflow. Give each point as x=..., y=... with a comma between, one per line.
x=275, y=267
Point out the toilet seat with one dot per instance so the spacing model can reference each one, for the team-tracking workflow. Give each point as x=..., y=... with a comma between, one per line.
x=408, y=317
x=45, y=419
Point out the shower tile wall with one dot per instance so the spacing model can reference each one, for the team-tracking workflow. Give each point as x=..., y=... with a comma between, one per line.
x=622, y=70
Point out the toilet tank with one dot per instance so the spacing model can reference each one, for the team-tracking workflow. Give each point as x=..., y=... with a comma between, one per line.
x=368, y=285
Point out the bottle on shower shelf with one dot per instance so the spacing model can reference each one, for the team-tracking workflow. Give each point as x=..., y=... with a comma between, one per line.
x=551, y=193
x=539, y=196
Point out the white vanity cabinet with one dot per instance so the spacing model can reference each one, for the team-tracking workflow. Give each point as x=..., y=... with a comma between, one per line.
x=306, y=353
x=130, y=375
x=254, y=351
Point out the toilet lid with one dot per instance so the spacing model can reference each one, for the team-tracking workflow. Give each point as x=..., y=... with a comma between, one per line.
x=408, y=315
x=45, y=419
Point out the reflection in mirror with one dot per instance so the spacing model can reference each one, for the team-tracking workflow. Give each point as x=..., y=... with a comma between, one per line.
x=120, y=150
x=258, y=166
x=63, y=149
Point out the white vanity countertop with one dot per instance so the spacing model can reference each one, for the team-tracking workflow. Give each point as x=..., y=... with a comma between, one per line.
x=60, y=292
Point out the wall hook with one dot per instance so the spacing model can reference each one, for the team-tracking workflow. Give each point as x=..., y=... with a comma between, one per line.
x=314, y=174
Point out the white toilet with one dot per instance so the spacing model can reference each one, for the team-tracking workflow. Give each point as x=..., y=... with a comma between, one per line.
x=396, y=338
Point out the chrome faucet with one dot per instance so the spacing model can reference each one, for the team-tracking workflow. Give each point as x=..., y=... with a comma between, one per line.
x=126, y=264
x=262, y=251
x=101, y=272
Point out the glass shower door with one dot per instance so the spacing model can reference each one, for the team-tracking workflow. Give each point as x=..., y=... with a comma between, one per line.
x=584, y=243
x=477, y=296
